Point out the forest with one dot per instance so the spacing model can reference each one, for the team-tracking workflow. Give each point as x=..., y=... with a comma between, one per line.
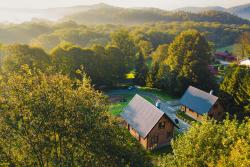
x=53, y=77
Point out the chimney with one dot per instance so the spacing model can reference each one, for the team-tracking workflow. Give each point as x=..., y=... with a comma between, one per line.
x=211, y=92
x=158, y=104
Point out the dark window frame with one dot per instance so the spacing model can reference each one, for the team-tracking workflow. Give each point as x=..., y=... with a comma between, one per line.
x=162, y=125
x=154, y=139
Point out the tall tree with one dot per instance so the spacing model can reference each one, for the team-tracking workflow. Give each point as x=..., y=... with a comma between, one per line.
x=188, y=58
x=123, y=41
x=55, y=121
x=14, y=56
x=141, y=70
x=244, y=45
x=211, y=143
x=235, y=91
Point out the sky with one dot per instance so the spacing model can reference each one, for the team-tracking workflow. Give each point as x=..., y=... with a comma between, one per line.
x=163, y=4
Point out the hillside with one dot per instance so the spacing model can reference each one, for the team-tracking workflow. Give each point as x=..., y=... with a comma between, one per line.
x=103, y=15
x=200, y=9
x=241, y=10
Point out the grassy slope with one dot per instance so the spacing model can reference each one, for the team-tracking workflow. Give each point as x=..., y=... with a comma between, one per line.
x=116, y=108
x=230, y=48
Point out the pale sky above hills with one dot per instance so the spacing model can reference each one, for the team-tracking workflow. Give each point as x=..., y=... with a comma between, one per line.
x=163, y=4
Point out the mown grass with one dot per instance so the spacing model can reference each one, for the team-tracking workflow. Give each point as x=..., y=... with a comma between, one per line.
x=230, y=48
x=159, y=93
x=117, y=108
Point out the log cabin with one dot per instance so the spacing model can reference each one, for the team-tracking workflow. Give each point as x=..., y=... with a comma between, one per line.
x=148, y=124
x=195, y=103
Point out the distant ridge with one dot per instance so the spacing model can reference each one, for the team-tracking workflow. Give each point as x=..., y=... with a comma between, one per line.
x=103, y=13
x=241, y=10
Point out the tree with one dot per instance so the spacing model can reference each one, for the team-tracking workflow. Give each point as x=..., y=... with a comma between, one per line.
x=235, y=91
x=141, y=70
x=145, y=48
x=188, y=58
x=160, y=54
x=51, y=120
x=211, y=143
x=17, y=55
x=124, y=42
x=244, y=45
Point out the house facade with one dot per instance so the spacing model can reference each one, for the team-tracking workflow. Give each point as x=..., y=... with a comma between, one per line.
x=148, y=124
x=196, y=103
x=245, y=62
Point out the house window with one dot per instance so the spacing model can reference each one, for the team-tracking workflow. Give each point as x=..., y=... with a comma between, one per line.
x=161, y=125
x=154, y=139
x=169, y=135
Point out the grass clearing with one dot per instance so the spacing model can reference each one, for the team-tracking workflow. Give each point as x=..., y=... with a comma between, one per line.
x=160, y=93
x=117, y=108
x=230, y=48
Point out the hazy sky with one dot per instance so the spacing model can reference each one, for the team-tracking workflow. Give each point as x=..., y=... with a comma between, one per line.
x=164, y=4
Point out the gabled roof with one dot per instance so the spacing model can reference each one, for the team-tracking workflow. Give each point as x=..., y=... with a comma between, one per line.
x=142, y=115
x=198, y=100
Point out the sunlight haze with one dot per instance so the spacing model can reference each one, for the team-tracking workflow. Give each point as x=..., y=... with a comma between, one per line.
x=163, y=4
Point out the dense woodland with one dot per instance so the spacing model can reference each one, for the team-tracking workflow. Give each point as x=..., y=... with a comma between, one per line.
x=102, y=15
x=53, y=111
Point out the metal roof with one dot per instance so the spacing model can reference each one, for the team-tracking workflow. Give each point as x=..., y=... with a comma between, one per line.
x=198, y=100
x=142, y=115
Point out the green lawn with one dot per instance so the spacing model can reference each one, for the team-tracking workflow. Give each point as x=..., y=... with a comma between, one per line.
x=160, y=93
x=117, y=108
x=230, y=48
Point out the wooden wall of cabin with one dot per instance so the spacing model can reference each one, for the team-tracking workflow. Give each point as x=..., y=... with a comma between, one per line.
x=163, y=135
x=191, y=113
x=217, y=111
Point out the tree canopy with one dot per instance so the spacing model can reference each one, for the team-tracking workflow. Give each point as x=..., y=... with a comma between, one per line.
x=189, y=56
x=235, y=91
x=211, y=143
x=52, y=120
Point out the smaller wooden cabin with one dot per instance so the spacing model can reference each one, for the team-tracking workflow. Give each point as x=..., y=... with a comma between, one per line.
x=195, y=103
x=148, y=124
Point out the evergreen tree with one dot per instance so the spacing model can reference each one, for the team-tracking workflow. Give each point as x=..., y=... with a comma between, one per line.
x=141, y=70
x=235, y=91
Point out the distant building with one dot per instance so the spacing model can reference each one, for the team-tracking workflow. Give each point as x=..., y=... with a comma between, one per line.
x=224, y=58
x=245, y=62
x=195, y=103
x=148, y=124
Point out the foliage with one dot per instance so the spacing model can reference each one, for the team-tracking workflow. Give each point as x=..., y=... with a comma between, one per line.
x=235, y=91
x=139, y=16
x=244, y=45
x=141, y=70
x=17, y=55
x=211, y=143
x=187, y=63
x=123, y=41
x=51, y=120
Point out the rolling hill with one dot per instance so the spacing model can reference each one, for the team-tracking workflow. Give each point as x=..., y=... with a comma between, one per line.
x=116, y=15
x=241, y=10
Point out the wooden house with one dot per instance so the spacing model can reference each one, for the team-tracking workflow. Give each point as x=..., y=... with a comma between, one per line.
x=195, y=103
x=148, y=124
x=245, y=62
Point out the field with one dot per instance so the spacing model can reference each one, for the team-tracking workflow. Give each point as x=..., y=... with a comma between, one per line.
x=119, y=98
x=230, y=48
